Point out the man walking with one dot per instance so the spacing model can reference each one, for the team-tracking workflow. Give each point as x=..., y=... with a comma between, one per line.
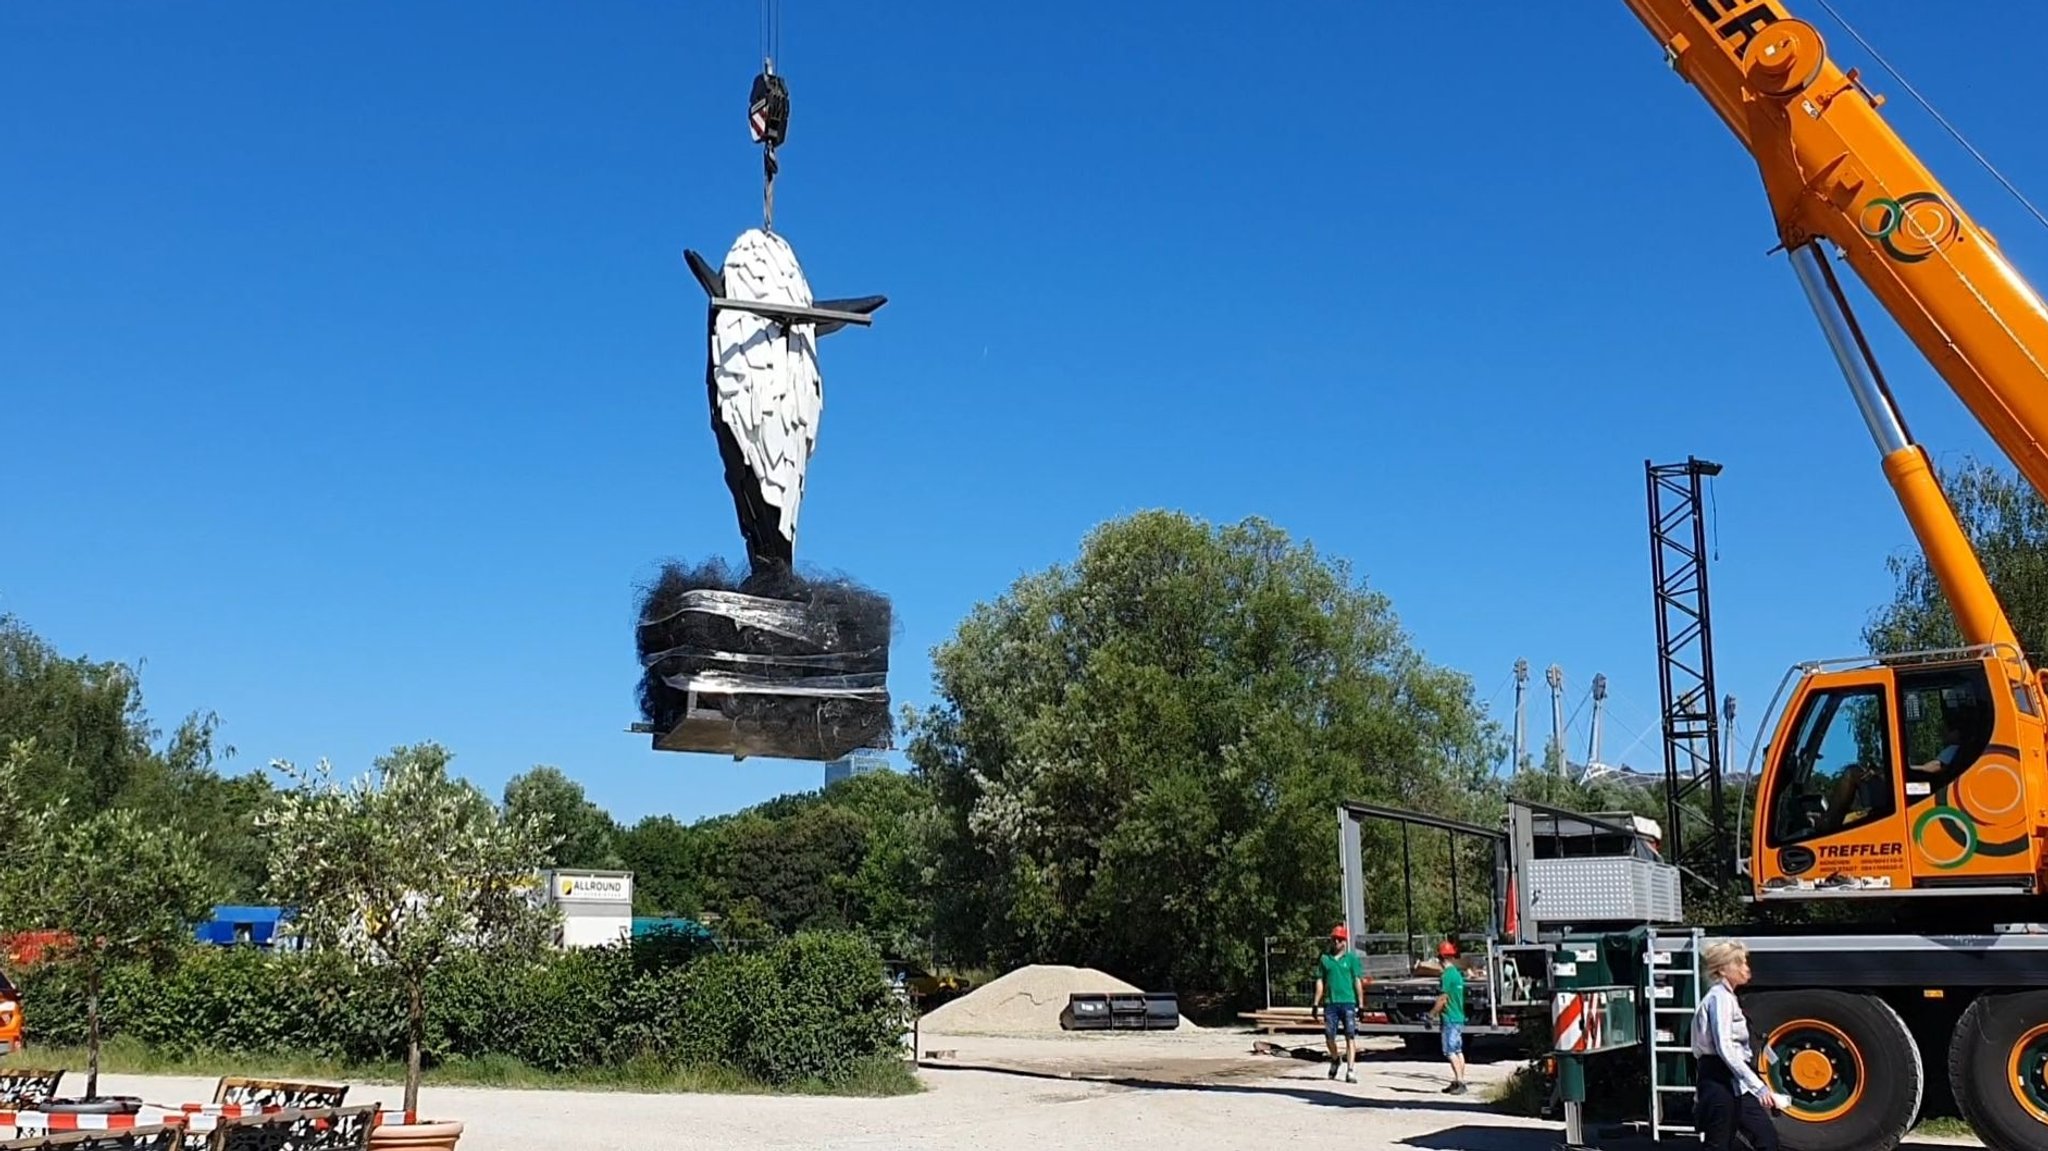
x=1449, y=1010
x=1340, y=985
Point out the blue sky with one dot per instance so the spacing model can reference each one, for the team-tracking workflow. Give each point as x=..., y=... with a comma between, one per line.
x=351, y=377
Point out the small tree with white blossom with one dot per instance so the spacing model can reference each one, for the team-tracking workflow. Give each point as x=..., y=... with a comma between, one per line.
x=115, y=886
x=404, y=868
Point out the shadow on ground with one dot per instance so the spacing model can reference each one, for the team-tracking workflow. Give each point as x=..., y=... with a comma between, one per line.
x=1467, y=1138
x=1464, y=1137
x=1298, y=1047
x=1430, y=1100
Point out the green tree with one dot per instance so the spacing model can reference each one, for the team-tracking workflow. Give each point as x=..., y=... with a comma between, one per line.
x=668, y=859
x=585, y=834
x=889, y=890
x=1136, y=759
x=2007, y=523
x=80, y=720
x=796, y=867
x=88, y=744
x=117, y=886
x=404, y=869
x=853, y=855
x=25, y=831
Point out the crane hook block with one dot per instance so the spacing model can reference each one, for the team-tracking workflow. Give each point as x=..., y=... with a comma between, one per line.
x=768, y=110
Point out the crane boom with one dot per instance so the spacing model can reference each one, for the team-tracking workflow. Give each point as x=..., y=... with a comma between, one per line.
x=1915, y=780
x=1833, y=169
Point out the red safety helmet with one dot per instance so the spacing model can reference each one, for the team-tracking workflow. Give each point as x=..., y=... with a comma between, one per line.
x=1447, y=949
x=1340, y=932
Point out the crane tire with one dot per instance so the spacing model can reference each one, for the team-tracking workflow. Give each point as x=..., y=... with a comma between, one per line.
x=1848, y=1062
x=1998, y=1066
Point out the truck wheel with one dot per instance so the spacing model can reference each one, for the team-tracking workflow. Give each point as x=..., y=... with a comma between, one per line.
x=1847, y=1061
x=1998, y=1065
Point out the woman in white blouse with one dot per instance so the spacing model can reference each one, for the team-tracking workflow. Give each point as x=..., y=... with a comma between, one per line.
x=1731, y=1096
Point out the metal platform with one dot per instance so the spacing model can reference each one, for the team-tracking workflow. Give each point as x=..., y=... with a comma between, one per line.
x=707, y=731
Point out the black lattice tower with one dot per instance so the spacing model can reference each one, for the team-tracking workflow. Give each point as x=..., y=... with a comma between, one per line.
x=1685, y=669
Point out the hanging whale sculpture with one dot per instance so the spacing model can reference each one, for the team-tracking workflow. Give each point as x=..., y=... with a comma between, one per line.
x=771, y=663
x=765, y=389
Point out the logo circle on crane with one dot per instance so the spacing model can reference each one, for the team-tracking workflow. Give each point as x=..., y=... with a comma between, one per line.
x=1912, y=227
x=1962, y=832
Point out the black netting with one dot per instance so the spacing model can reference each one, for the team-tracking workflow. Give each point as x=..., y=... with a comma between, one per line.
x=800, y=660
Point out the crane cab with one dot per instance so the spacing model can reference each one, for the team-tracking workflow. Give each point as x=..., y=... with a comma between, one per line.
x=1917, y=773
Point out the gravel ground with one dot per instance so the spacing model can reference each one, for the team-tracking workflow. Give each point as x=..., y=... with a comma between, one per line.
x=1197, y=1092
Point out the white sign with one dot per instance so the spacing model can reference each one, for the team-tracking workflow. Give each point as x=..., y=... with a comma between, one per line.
x=571, y=888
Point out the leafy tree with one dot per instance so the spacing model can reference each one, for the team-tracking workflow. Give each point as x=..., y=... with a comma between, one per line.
x=586, y=836
x=216, y=814
x=851, y=855
x=87, y=744
x=1600, y=793
x=117, y=887
x=668, y=862
x=796, y=867
x=81, y=721
x=2007, y=523
x=1135, y=760
x=404, y=869
x=889, y=892
x=24, y=831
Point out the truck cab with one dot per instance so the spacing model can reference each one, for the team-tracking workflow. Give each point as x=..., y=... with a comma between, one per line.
x=11, y=1024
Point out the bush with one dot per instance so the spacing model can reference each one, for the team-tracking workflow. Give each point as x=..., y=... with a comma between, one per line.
x=825, y=1010
x=813, y=1008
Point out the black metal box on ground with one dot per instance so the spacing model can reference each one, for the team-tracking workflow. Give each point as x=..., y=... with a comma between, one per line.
x=1121, y=1011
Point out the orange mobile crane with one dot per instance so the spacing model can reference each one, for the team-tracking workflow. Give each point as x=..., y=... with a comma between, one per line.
x=1972, y=818
x=1915, y=782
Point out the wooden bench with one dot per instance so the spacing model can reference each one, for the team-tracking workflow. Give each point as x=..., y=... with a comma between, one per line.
x=278, y=1093
x=27, y=1088
x=299, y=1129
x=152, y=1137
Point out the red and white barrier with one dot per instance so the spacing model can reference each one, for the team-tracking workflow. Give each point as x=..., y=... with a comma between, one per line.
x=1576, y=1019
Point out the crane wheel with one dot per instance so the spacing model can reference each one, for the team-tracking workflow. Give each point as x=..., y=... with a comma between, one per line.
x=1848, y=1063
x=1998, y=1066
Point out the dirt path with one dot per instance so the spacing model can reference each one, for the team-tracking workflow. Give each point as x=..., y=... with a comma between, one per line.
x=1071, y=1093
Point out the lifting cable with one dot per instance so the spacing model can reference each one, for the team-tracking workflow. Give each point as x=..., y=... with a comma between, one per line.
x=1931, y=111
x=768, y=108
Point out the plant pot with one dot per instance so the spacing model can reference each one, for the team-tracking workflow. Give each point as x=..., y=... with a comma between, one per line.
x=424, y=1136
x=102, y=1105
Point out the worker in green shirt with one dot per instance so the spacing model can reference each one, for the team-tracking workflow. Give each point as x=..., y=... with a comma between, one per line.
x=1340, y=985
x=1449, y=1011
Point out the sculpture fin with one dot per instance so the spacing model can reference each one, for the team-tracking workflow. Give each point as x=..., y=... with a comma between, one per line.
x=711, y=278
x=858, y=305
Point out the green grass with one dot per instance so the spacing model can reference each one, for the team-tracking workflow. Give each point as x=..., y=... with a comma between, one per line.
x=1519, y=1094
x=1945, y=1127
x=883, y=1076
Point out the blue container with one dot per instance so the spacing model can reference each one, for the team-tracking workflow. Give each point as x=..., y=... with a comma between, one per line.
x=234, y=925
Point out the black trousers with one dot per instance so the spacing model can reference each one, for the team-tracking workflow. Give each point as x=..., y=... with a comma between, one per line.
x=1720, y=1110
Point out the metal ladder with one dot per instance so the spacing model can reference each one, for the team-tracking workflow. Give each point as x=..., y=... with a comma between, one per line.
x=1673, y=972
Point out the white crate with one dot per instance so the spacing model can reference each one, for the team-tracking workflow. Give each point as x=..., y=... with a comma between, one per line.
x=1604, y=890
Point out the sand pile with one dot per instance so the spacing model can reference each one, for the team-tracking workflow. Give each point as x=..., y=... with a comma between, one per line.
x=1026, y=1001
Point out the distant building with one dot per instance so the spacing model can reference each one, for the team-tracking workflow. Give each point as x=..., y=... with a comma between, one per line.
x=596, y=906
x=856, y=763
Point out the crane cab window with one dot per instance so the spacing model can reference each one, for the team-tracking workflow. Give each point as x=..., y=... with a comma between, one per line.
x=1836, y=771
x=1945, y=719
